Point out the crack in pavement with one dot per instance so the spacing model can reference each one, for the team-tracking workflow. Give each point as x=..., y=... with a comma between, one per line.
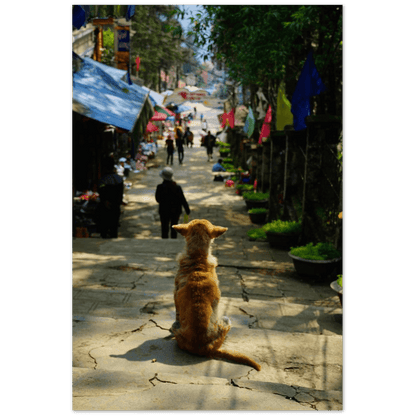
x=244, y=293
x=160, y=381
x=165, y=329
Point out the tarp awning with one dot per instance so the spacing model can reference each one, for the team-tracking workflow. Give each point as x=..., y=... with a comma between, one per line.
x=100, y=96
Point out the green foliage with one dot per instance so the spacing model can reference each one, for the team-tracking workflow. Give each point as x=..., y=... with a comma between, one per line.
x=257, y=211
x=320, y=251
x=256, y=233
x=228, y=160
x=228, y=166
x=223, y=145
x=339, y=279
x=255, y=196
x=244, y=187
x=283, y=227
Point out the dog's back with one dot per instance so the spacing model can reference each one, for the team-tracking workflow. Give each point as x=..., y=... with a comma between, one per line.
x=198, y=329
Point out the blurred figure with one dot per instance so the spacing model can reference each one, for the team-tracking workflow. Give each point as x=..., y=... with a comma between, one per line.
x=110, y=189
x=171, y=199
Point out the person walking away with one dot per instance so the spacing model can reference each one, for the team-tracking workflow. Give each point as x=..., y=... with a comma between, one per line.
x=110, y=189
x=170, y=148
x=195, y=111
x=179, y=148
x=179, y=142
x=205, y=125
x=171, y=199
x=210, y=141
x=202, y=118
x=186, y=137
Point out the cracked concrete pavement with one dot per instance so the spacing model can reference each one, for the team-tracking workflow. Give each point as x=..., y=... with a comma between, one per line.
x=124, y=357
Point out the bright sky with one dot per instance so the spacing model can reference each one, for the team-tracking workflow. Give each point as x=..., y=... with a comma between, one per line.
x=193, y=9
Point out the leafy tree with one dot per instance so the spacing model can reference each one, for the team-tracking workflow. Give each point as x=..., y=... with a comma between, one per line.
x=264, y=45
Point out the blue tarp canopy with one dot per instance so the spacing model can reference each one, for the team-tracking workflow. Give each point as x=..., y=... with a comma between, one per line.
x=181, y=108
x=100, y=96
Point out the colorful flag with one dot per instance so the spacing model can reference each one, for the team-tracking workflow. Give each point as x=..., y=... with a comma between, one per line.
x=130, y=12
x=250, y=123
x=265, y=129
x=283, y=114
x=228, y=118
x=309, y=85
x=78, y=17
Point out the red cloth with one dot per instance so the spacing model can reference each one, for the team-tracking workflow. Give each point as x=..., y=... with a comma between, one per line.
x=151, y=127
x=158, y=116
x=228, y=117
x=265, y=128
x=138, y=63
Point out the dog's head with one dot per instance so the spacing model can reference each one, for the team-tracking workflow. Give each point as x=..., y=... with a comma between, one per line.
x=202, y=229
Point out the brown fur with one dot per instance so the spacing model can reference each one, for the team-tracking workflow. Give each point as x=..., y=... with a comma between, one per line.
x=198, y=329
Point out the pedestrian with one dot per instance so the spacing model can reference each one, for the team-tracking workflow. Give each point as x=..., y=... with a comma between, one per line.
x=170, y=148
x=205, y=125
x=202, y=118
x=218, y=167
x=209, y=142
x=186, y=137
x=195, y=110
x=121, y=169
x=179, y=148
x=171, y=199
x=110, y=189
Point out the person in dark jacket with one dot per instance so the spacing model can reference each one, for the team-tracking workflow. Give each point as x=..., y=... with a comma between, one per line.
x=171, y=199
x=110, y=189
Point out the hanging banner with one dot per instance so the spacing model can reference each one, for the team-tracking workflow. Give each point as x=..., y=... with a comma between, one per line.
x=123, y=40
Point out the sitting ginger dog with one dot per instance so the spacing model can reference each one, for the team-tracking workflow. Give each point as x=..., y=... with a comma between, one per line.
x=198, y=329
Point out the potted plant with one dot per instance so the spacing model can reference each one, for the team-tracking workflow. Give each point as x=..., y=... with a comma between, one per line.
x=318, y=260
x=256, y=199
x=337, y=286
x=257, y=234
x=224, y=149
x=243, y=187
x=282, y=234
x=257, y=215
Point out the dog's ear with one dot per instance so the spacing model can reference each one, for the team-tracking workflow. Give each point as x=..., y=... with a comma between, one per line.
x=217, y=231
x=181, y=229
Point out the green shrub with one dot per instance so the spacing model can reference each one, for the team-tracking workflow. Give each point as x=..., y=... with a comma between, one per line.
x=255, y=196
x=245, y=187
x=320, y=251
x=284, y=227
x=339, y=280
x=228, y=160
x=256, y=233
x=257, y=211
x=228, y=166
x=224, y=145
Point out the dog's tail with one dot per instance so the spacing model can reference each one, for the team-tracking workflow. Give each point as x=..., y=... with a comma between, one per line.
x=236, y=357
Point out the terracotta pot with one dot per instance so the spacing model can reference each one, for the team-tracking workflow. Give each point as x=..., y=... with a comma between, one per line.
x=335, y=286
x=282, y=240
x=317, y=268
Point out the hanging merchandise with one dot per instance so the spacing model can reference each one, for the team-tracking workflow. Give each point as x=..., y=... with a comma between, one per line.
x=138, y=63
x=250, y=123
x=228, y=119
x=284, y=116
x=308, y=85
x=265, y=129
x=262, y=103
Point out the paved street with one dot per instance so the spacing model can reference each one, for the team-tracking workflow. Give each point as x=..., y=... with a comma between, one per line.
x=123, y=307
